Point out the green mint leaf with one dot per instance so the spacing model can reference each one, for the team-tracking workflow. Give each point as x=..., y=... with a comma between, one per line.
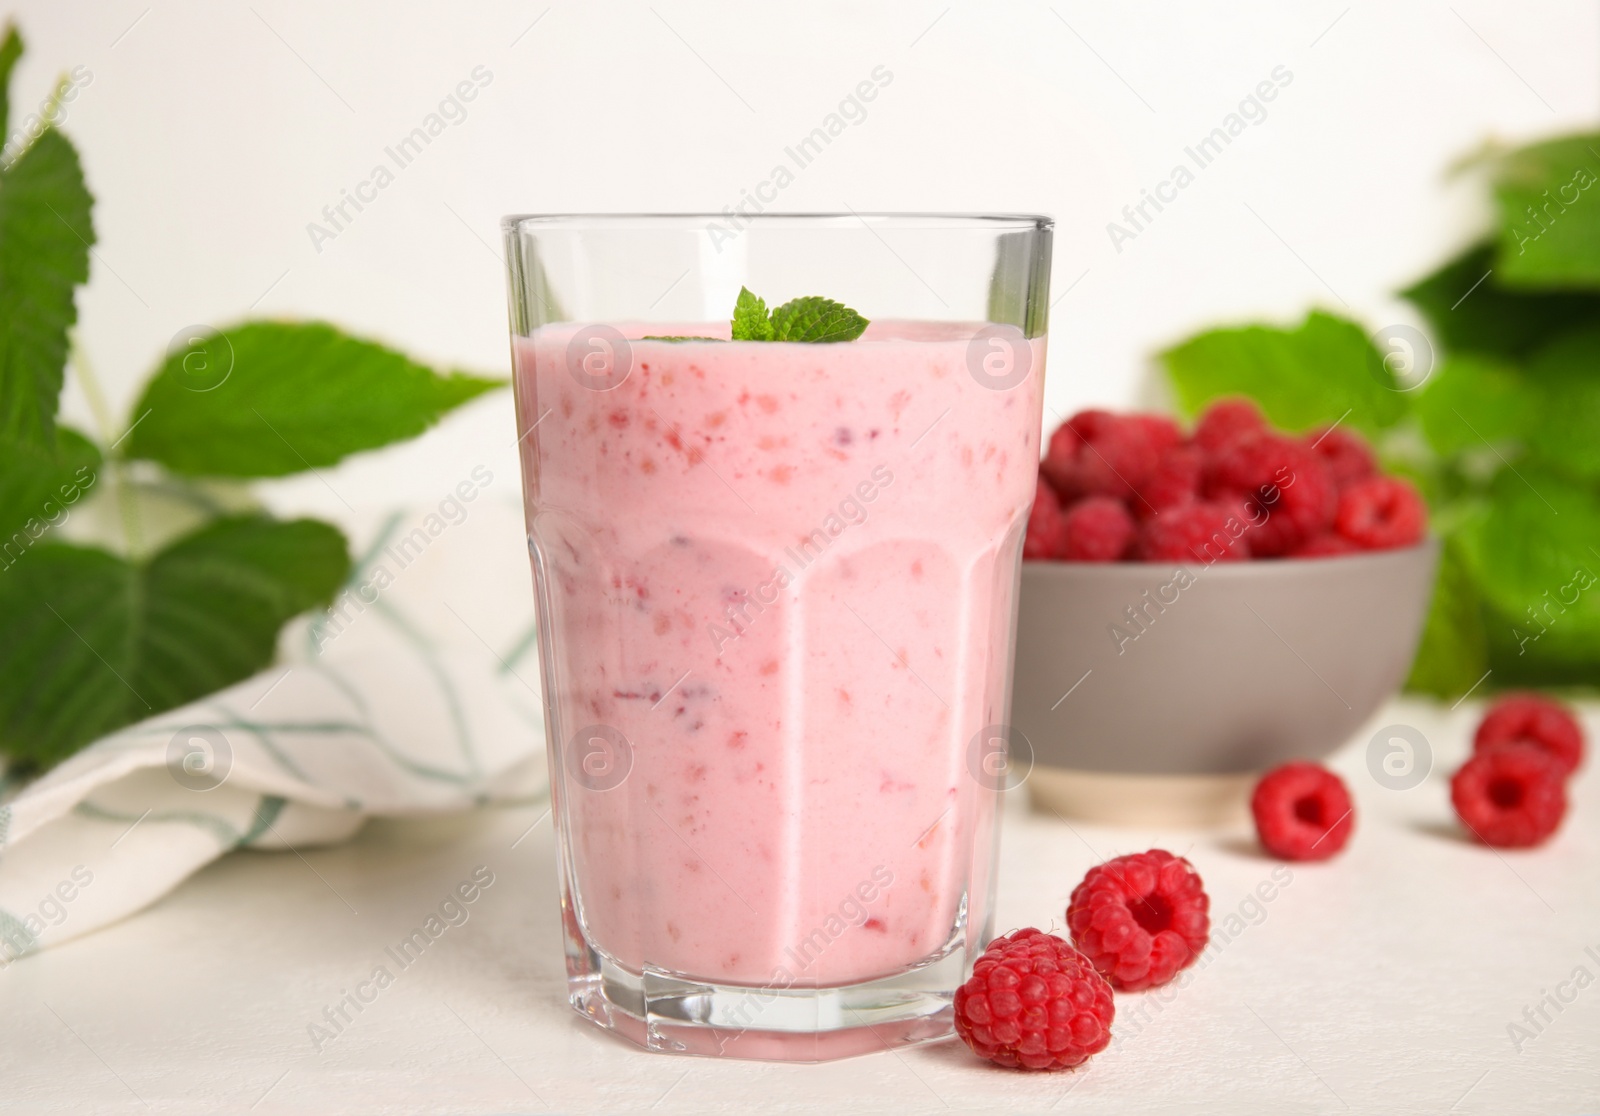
x=680, y=337
x=1547, y=197
x=1454, y=651
x=39, y=489
x=1474, y=403
x=45, y=233
x=1468, y=309
x=94, y=642
x=750, y=321
x=1315, y=373
x=10, y=52
x=265, y=399
x=816, y=320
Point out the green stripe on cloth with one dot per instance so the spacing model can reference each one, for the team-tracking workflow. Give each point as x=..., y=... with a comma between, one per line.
x=223, y=830
x=16, y=940
x=267, y=811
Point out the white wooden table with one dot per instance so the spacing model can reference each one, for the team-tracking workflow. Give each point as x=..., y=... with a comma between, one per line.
x=1385, y=981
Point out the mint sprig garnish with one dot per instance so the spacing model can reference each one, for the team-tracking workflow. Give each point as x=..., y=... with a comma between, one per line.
x=676, y=337
x=816, y=319
x=812, y=319
x=750, y=319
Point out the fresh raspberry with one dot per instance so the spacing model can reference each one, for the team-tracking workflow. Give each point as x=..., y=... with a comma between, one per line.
x=1098, y=529
x=1226, y=421
x=1381, y=513
x=1534, y=719
x=1097, y=453
x=1140, y=918
x=1174, y=483
x=1325, y=546
x=1163, y=432
x=1284, y=483
x=1047, y=528
x=1347, y=455
x=1193, y=533
x=1034, y=1002
x=1302, y=812
x=1060, y=455
x=1510, y=795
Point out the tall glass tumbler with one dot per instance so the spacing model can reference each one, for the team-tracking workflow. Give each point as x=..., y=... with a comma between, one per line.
x=777, y=590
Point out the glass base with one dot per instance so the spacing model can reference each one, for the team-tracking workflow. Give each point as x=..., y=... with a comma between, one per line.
x=670, y=1014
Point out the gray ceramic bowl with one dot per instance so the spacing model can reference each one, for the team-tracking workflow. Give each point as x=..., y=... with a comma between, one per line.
x=1145, y=669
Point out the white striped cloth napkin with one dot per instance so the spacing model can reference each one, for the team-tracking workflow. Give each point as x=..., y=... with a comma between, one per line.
x=422, y=700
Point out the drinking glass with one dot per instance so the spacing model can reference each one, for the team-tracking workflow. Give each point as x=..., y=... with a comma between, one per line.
x=777, y=588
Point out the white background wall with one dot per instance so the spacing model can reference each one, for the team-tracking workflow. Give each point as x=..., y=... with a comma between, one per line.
x=213, y=132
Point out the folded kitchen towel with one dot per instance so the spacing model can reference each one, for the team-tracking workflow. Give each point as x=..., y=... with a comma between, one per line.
x=414, y=700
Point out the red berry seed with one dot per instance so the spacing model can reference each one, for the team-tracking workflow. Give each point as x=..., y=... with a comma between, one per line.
x=1302, y=812
x=1226, y=421
x=1047, y=529
x=1534, y=719
x=1204, y=533
x=1510, y=795
x=1098, y=529
x=1033, y=1002
x=1381, y=513
x=1140, y=918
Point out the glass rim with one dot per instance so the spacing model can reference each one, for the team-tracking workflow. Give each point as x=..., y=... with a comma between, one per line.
x=869, y=219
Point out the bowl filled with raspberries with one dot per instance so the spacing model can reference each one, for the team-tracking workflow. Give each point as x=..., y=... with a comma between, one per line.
x=1201, y=605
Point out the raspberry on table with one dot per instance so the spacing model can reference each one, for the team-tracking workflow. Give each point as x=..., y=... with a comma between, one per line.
x=1381, y=513
x=1097, y=529
x=1140, y=918
x=1033, y=1002
x=1174, y=482
x=1302, y=812
x=1046, y=536
x=1193, y=533
x=1097, y=453
x=1285, y=484
x=1510, y=795
x=1346, y=454
x=1537, y=720
x=1226, y=421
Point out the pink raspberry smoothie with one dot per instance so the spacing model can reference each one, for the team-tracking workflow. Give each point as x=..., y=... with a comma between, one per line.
x=785, y=573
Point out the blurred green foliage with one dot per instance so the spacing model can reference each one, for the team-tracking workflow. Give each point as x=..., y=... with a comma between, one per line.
x=1496, y=418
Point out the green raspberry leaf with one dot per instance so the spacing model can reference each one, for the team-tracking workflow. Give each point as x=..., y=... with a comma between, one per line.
x=1454, y=652
x=1532, y=553
x=817, y=320
x=1474, y=403
x=1321, y=371
x=38, y=488
x=1549, y=217
x=750, y=321
x=1468, y=308
x=10, y=51
x=1562, y=383
x=45, y=234
x=94, y=642
x=265, y=399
